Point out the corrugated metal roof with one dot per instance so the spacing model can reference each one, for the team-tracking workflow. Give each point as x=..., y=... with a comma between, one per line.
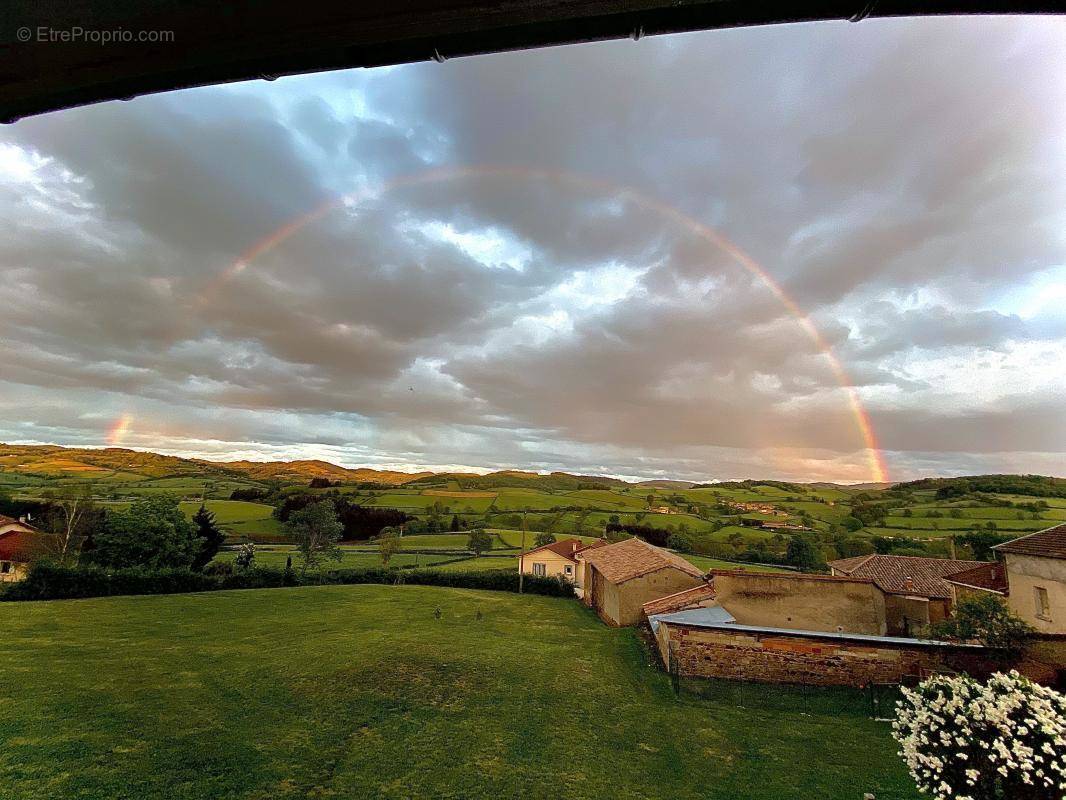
x=695, y=622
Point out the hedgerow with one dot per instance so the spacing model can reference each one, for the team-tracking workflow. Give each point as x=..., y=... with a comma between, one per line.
x=47, y=581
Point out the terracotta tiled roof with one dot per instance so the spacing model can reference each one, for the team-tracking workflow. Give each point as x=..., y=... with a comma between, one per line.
x=991, y=576
x=679, y=600
x=1050, y=543
x=21, y=545
x=567, y=548
x=631, y=558
x=912, y=575
x=848, y=564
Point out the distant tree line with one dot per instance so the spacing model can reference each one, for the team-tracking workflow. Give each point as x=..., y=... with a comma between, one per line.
x=358, y=522
x=950, y=488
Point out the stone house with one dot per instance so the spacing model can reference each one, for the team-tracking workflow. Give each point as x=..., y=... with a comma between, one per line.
x=559, y=559
x=620, y=578
x=917, y=593
x=1036, y=578
x=20, y=544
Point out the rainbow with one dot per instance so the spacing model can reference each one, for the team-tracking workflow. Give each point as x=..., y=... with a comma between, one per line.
x=874, y=455
x=118, y=431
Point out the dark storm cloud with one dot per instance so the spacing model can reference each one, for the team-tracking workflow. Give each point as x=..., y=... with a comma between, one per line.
x=543, y=305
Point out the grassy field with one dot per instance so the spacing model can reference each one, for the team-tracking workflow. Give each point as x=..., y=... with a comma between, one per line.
x=358, y=691
x=705, y=563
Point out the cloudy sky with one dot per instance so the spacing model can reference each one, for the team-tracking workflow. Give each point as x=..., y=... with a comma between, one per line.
x=595, y=258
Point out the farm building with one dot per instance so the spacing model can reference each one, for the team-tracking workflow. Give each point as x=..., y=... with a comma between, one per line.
x=791, y=628
x=20, y=543
x=560, y=559
x=1036, y=578
x=917, y=593
x=620, y=578
x=802, y=601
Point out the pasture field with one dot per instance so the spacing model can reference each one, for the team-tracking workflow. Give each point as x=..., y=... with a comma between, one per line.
x=227, y=511
x=705, y=563
x=947, y=523
x=488, y=561
x=910, y=533
x=359, y=691
x=511, y=538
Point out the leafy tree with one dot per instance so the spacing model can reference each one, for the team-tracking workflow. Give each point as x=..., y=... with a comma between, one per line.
x=543, y=538
x=316, y=530
x=455, y=523
x=359, y=522
x=656, y=536
x=802, y=554
x=868, y=513
x=479, y=541
x=389, y=544
x=70, y=517
x=210, y=536
x=152, y=532
x=681, y=541
x=981, y=542
x=856, y=546
x=987, y=619
x=852, y=523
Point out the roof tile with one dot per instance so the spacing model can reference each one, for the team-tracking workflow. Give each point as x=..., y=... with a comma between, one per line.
x=631, y=558
x=1049, y=543
x=912, y=575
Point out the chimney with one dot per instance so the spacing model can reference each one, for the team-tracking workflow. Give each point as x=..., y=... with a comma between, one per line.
x=908, y=584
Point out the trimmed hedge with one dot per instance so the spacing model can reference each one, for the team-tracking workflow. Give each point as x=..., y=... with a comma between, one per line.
x=47, y=581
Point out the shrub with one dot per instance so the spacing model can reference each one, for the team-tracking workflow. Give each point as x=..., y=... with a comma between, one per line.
x=997, y=741
x=47, y=581
x=987, y=619
x=245, y=556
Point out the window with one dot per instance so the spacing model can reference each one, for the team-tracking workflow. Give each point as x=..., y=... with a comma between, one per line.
x=5, y=567
x=538, y=569
x=569, y=569
x=1043, y=605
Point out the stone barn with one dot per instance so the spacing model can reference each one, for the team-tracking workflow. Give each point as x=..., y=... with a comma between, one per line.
x=620, y=578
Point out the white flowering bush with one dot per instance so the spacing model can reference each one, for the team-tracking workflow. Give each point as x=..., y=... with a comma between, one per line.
x=1001, y=740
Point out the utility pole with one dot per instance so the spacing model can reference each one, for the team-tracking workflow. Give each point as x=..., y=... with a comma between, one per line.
x=522, y=558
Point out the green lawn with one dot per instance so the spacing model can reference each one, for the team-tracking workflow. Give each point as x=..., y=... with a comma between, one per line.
x=359, y=691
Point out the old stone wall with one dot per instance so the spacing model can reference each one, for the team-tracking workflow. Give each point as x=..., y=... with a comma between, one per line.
x=807, y=659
